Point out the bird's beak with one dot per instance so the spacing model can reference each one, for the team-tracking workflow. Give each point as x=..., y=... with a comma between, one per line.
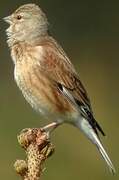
x=7, y=19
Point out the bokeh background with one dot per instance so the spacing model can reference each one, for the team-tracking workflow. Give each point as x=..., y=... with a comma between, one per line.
x=89, y=33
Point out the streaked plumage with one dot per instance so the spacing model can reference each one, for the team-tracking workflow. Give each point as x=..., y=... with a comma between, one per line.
x=46, y=77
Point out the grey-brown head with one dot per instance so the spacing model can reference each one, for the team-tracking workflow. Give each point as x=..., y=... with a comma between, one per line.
x=27, y=23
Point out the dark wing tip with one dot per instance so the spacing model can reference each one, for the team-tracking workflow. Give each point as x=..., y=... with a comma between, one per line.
x=100, y=129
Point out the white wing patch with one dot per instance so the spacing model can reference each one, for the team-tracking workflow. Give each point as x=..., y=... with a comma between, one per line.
x=68, y=96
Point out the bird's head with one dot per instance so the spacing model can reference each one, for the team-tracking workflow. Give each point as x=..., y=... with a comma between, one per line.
x=26, y=23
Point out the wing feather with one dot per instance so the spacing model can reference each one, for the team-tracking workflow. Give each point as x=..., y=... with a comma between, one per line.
x=61, y=72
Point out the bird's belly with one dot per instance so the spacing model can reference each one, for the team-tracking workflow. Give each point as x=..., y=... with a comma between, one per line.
x=28, y=91
x=42, y=96
x=36, y=103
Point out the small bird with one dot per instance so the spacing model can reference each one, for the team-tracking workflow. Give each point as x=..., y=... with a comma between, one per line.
x=46, y=76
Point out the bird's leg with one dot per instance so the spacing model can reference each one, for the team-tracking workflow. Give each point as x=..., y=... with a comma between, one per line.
x=51, y=127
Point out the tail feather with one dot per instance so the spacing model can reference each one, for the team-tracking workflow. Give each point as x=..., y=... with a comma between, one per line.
x=84, y=125
x=106, y=158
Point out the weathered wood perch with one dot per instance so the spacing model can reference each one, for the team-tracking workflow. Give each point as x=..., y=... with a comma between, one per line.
x=38, y=148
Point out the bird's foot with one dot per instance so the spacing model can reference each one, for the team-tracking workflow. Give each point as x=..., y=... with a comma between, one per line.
x=51, y=127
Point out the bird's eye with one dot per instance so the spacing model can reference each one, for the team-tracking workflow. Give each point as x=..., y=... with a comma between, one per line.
x=19, y=17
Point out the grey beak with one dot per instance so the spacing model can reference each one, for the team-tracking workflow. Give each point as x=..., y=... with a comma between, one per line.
x=7, y=19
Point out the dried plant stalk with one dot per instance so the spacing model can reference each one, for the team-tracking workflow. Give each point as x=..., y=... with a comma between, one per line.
x=38, y=148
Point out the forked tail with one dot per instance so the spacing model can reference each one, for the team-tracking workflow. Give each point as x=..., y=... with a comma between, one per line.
x=105, y=156
x=84, y=125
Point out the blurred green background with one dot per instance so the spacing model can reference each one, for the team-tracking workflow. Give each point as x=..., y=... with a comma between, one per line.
x=89, y=33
